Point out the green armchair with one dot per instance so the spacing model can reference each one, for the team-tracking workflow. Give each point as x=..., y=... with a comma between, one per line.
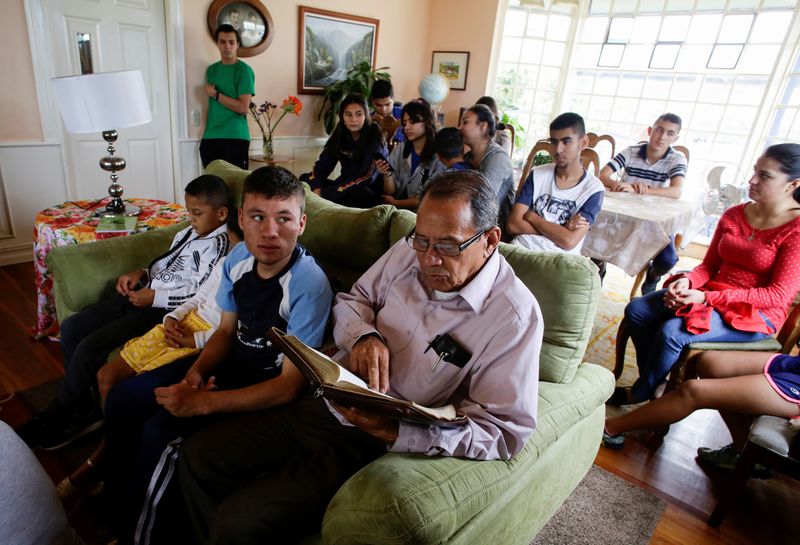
x=407, y=498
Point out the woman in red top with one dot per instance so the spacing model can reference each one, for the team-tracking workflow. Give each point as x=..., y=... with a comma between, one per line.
x=740, y=292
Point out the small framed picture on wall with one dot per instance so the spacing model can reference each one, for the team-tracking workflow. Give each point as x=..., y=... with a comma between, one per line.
x=453, y=65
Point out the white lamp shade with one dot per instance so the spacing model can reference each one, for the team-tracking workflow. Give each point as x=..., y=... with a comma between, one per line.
x=102, y=102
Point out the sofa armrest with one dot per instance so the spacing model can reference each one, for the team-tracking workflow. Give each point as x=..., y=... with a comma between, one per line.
x=412, y=498
x=85, y=273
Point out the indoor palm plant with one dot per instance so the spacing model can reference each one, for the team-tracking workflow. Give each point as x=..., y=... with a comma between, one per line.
x=359, y=79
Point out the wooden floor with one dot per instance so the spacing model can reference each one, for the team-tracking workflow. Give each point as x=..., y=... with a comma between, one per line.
x=766, y=513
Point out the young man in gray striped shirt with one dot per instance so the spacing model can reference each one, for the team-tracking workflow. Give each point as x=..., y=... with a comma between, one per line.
x=651, y=168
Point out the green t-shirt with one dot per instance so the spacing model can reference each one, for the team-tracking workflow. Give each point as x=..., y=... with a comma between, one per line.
x=231, y=80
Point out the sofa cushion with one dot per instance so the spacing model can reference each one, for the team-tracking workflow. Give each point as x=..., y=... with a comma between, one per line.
x=233, y=176
x=408, y=498
x=568, y=300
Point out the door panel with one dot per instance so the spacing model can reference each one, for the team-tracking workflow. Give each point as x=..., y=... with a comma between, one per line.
x=123, y=35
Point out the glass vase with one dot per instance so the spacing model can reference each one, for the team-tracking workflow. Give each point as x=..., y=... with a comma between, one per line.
x=269, y=152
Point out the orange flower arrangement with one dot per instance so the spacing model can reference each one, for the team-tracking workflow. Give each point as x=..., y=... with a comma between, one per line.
x=263, y=117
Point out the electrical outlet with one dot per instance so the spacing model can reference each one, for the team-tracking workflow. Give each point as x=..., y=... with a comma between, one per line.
x=196, y=118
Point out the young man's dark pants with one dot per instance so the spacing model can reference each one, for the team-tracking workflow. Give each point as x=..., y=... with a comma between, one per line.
x=88, y=337
x=233, y=150
x=138, y=432
x=268, y=476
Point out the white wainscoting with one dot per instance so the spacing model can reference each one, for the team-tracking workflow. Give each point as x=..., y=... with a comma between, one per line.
x=304, y=150
x=32, y=178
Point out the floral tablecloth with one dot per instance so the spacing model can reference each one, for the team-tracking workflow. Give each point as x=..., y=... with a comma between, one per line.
x=75, y=223
x=631, y=229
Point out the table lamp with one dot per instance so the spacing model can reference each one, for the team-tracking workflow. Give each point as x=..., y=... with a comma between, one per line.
x=104, y=103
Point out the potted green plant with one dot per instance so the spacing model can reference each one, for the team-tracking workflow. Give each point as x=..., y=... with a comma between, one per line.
x=359, y=79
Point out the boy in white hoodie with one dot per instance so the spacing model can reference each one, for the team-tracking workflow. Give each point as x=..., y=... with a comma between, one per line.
x=143, y=297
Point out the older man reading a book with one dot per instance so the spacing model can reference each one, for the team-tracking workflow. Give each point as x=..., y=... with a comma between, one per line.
x=439, y=319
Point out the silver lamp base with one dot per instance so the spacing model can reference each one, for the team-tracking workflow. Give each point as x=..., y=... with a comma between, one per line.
x=126, y=210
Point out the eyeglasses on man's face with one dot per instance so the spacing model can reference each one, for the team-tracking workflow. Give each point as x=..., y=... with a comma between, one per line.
x=446, y=249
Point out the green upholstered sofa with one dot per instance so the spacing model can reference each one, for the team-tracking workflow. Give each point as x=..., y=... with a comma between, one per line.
x=402, y=498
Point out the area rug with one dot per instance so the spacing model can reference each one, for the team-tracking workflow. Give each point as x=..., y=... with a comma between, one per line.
x=603, y=509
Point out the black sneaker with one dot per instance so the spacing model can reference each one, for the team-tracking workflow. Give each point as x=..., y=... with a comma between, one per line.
x=71, y=427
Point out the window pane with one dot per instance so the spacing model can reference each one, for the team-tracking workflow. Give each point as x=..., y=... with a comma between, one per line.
x=735, y=29
x=620, y=30
x=594, y=30
x=685, y=87
x=674, y=28
x=792, y=94
x=664, y=56
x=771, y=27
x=537, y=23
x=759, y=59
x=708, y=117
x=558, y=28
x=526, y=75
x=544, y=102
x=553, y=53
x=728, y=146
x=506, y=74
x=683, y=110
x=524, y=100
x=657, y=86
x=586, y=56
x=509, y=51
x=582, y=81
x=637, y=56
x=715, y=89
x=693, y=58
x=649, y=110
x=606, y=83
x=624, y=6
x=782, y=122
x=680, y=5
x=600, y=6
x=779, y=3
x=738, y=119
x=743, y=4
x=504, y=96
x=631, y=85
x=532, y=51
x=515, y=23
x=725, y=56
x=600, y=107
x=578, y=103
x=794, y=132
x=651, y=6
x=710, y=5
x=611, y=55
x=704, y=28
x=748, y=90
x=548, y=78
x=645, y=30
x=623, y=107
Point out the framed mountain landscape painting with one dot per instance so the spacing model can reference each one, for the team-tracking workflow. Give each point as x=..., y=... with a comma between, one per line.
x=330, y=43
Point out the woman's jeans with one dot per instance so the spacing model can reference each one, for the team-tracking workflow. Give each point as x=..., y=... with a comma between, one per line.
x=659, y=337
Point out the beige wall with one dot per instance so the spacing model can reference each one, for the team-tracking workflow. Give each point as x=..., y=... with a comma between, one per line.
x=19, y=112
x=402, y=46
x=463, y=25
x=408, y=33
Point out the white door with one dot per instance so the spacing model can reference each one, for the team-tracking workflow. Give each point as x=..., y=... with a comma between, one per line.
x=91, y=36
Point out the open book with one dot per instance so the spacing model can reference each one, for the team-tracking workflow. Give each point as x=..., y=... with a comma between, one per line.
x=337, y=384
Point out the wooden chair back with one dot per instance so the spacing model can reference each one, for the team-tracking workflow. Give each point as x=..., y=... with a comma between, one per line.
x=513, y=132
x=589, y=157
x=595, y=138
x=684, y=150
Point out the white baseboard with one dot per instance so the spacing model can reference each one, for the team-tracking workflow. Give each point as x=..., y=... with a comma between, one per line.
x=19, y=253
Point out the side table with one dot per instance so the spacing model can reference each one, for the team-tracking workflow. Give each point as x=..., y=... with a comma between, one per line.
x=74, y=222
x=285, y=161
